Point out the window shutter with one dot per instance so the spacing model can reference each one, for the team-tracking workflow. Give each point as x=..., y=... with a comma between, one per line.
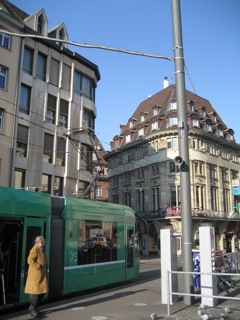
x=48, y=144
x=54, y=75
x=66, y=73
x=22, y=134
x=61, y=148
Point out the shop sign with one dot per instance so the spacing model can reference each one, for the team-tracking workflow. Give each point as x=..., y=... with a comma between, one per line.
x=235, y=183
x=236, y=191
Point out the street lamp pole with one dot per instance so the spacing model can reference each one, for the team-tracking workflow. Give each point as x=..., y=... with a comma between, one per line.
x=183, y=151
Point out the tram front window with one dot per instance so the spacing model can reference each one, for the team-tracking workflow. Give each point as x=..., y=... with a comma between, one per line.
x=97, y=241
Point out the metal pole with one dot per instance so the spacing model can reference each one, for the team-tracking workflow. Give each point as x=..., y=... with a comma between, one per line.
x=183, y=151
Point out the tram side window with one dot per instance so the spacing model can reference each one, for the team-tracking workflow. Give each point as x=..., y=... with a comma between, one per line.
x=97, y=241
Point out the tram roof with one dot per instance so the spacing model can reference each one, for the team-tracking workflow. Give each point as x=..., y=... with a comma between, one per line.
x=90, y=209
x=24, y=203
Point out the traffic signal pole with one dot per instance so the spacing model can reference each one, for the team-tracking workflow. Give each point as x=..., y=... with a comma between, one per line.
x=185, y=191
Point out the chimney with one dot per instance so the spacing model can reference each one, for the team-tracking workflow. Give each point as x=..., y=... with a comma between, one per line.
x=165, y=82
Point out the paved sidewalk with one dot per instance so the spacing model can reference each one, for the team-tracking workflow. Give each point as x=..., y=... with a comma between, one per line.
x=133, y=301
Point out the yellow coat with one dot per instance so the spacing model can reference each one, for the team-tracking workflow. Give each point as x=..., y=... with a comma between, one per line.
x=37, y=272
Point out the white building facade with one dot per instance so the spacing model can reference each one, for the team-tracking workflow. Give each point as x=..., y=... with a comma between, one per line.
x=143, y=174
x=47, y=106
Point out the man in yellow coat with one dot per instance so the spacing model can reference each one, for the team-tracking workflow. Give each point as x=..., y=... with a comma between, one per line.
x=37, y=284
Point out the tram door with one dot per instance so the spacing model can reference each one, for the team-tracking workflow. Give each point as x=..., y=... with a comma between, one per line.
x=130, y=250
x=33, y=227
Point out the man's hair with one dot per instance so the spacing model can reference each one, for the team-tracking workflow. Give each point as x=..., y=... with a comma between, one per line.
x=40, y=239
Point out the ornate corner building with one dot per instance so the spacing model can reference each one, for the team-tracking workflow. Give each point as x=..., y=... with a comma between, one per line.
x=144, y=176
x=47, y=106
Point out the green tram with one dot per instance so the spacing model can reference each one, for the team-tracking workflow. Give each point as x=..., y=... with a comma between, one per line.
x=89, y=244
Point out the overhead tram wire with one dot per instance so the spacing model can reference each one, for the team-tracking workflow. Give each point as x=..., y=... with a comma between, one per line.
x=86, y=45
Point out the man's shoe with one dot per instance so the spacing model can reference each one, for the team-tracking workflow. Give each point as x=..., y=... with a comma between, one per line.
x=34, y=313
x=31, y=307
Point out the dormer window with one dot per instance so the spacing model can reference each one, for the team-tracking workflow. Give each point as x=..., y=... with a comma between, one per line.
x=130, y=124
x=172, y=121
x=142, y=117
x=41, y=26
x=209, y=127
x=230, y=137
x=191, y=107
x=155, y=125
x=141, y=132
x=155, y=111
x=173, y=105
x=195, y=123
x=203, y=112
x=128, y=138
x=214, y=117
x=220, y=132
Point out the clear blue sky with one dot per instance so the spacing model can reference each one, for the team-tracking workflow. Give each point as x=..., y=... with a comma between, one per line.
x=211, y=40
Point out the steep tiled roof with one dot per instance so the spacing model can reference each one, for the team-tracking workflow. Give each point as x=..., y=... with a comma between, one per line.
x=159, y=108
x=12, y=10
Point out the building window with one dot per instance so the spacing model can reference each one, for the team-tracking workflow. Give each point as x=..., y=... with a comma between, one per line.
x=128, y=138
x=61, y=150
x=88, y=119
x=230, y=137
x=28, y=61
x=172, y=143
x=173, y=105
x=213, y=172
x=3, y=77
x=173, y=167
x=220, y=133
x=203, y=112
x=4, y=40
x=58, y=187
x=226, y=200
x=172, y=121
x=199, y=198
x=98, y=191
x=224, y=175
x=154, y=125
x=82, y=85
x=1, y=120
x=66, y=76
x=175, y=143
x=214, y=199
x=51, y=109
x=46, y=183
x=195, y=123
x=22, y=141
x=141, y=132
x=127, y=197
x=140, y=174
x=54, y=72
x=82, y=186
x=41, y=66
x=155, y=111
x=25, y=98
x=48, y=148
x=155, y=199
x=209, y=127
x=63, y=114
x=140, y=200
x=191, y=107
x=142, y=117
x=86, y=157
x=155, y=170
x=19, y=179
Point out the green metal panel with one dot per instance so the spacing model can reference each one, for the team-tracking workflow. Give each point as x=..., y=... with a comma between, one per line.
x=96, y=210
x=24, y=203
